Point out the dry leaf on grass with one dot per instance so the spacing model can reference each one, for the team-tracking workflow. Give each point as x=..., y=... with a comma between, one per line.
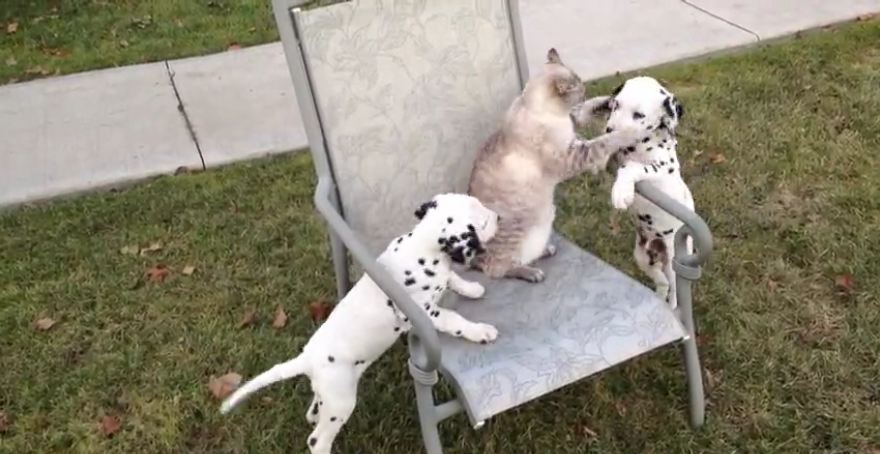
x=223, y=386
x=188, y=270
x=249, y=318
x=589, y=433
x=234, y=46
x=11, y=61
x=711, y=380
x=5, y=422
x=34, y=70
x=157, y=273
x=12, y=27
x=153, y=247
x=280, y=319
x=110, y=425
x=131, y=249
x=717, y=158
x=44, y=324
x=319, y=310
x=772, y=285
x=845, y=284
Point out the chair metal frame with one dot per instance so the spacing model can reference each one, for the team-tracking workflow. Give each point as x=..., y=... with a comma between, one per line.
x=424, y=343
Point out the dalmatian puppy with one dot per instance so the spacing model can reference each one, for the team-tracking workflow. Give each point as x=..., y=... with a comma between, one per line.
x=366, y=323
x=644, y=102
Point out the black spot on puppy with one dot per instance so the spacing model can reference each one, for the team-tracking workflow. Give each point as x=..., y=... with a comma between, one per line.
x=396, y=329
x=399, y=240
x=646, y=139
x=458, y=333
x=332, y=419
x=426, y=287
x=436, y=261
x=453, y=239
x=390, y=303
x=409, y=281
x=331, y=359
x=671, y=169
x=449, y=220
x=421, y=261
x=429, y=272
x=313, y=441
x=407, y=272
x=423, y=210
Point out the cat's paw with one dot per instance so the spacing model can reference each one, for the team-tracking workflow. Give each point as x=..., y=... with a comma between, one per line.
x=481, y=333
x=528, y=274
x=623, y=194
x=472, y=290
x=549, y=251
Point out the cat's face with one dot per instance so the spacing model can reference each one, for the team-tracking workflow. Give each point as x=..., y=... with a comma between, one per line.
x=566, y=84
x=463, y=223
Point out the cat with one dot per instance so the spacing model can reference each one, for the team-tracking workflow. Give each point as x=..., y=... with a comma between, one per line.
x=517, y=168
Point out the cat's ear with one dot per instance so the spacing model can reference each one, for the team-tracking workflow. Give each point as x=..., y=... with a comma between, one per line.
x=618, y=89
x=423, y=210
x=553, y=56
x=674, y=111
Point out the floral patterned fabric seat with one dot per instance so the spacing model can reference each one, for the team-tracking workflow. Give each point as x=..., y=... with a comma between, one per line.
x=585, y=317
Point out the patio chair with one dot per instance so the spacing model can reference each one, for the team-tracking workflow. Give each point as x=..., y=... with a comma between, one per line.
x=396, y=98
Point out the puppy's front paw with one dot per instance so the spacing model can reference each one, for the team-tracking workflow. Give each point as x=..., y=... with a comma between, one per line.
x=471, y=290
x=481, y=333
x=622, y=195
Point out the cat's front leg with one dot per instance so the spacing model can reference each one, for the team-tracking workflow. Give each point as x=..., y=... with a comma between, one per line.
x=464, y=287
x=587, y=111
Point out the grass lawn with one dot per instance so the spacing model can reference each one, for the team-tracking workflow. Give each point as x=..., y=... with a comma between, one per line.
x=780, y=146
x=54, y=36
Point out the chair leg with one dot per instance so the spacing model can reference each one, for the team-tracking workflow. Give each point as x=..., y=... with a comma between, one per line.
x=693, y=369
x=428, y=418
x=696, y=397
x=340, y=265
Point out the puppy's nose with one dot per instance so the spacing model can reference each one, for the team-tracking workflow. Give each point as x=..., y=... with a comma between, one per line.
x=609, y=129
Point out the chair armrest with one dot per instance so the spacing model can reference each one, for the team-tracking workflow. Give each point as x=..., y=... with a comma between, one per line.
x=696, y=226
x=421, y=323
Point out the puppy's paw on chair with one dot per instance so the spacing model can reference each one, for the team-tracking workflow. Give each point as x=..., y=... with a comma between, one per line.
x=481, y=333
x=622, y=195
x=472, y=290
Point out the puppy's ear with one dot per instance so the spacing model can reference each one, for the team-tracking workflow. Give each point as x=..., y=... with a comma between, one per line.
x=553, y=56
x=674, y=112
x=423, y=210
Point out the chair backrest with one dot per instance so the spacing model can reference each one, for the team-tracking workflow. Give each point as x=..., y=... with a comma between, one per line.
x=404, y=93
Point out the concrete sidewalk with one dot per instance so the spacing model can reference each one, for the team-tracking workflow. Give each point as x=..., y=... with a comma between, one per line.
x=102, y=128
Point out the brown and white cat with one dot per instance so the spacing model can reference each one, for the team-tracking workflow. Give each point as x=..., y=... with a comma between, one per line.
x=518, y=167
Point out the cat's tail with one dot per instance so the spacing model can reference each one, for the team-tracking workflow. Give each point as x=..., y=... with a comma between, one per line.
x=278, y=372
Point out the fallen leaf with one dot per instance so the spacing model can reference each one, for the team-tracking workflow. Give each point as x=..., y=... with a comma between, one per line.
x=267, y=400
x=280, y=319
x=614, y=223
x=717, y=158
x=188, y=270
x=249, y=318
x=157, y=273
x=703, y=339
x=44, y=324
x=179, y=23
x=12, y=27
x=153, y=247
x=845, y=284
x=223, y=386
x=131, y=249
x=711, y=380
x=123, y=43
x=11, y=61
x=864, y=17
x=252, y=30
x=234, y=46
x=5, y=422
x=590, y=433
x=110, y=425
x=319, y=310
x=772, y=285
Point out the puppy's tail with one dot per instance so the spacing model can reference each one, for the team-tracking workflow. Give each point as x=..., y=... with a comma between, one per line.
x=278, y=372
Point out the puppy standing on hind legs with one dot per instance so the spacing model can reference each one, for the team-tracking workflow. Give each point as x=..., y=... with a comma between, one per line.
x=452, y=228
x=644, y=102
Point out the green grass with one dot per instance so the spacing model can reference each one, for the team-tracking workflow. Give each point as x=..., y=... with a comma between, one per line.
x=794, y=364
x=60, y=37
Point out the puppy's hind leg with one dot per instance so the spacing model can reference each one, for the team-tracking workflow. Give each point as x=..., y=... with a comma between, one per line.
x=314, y=410
x=338, y=391
x=648, y=263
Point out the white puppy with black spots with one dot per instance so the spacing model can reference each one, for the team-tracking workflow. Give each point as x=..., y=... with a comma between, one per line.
x=643, y=102
x=366, y=322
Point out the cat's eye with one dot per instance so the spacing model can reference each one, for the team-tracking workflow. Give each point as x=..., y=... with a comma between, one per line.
x=638, y=116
